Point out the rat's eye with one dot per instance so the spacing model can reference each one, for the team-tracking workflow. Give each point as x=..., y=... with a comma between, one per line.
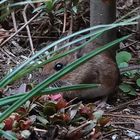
x=58, y=66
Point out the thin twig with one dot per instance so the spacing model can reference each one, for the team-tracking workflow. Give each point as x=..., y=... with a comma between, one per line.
x=71, y=21
x=134, y=40
x=8, y=55
x=78, y=128
x=28, y=29
x=126, y=15
x=121, y=106
x=125, y=128
x=126, y=46
x=110, y=133
x=133, y=67
x=122, y=116
x=122, y=123
x=40, y=130
x=14, y=21
x=20, y=29
x=65, y=18
x=24, y=36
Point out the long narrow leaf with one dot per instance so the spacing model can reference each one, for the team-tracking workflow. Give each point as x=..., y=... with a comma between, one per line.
x=7, y=135
x=26, y=2
x=10, y=99
x=1, y=2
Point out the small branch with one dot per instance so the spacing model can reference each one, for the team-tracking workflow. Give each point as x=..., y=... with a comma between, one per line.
x=78, y=128
x=71, y=21
x=131, y=44
x=36, y=37
x=122, y=123
x=134, y=67
x=125, y=128
x=121, y=106
x=65, y=19
x=111, y=133
x=14, y=21
x=20, y=29
x=122, y=116
x=28, y=29
x=7, y=53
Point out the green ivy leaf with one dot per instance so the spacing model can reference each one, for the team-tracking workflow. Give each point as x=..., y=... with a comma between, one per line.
x=43, y=120
x=138, y=82
x=130, y=74
x=25, y=134
x=125, y=87
x=49, y=5
x=128, y=89
x=123, y=56
x=123, y=64
x=132, y=92
x=49, y=108
x=74, y=9
x=98, y=114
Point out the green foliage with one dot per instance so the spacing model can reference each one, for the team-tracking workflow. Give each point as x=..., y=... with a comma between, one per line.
x=49, y=109
x=128, y=89
x=8, y=135
x=4, y=9
x=138, y=82
x=123, y=58
x=48, y=6
x=7, y=6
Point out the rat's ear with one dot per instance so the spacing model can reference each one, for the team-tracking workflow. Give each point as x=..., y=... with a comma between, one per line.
x=86, y=49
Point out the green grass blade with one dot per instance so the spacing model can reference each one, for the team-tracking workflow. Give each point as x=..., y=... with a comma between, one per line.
x=128, y=14
x=7, y=135
x=26, y=2
x=10, y=99
x=1, y=2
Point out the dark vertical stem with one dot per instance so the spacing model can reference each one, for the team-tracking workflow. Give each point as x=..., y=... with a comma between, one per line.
x=103, y=12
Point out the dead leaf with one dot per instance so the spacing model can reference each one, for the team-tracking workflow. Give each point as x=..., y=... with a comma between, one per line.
x=61, y=104
x=49, y=108
x=24, y=125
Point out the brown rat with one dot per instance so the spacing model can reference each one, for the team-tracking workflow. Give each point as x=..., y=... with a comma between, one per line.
x=101, y=69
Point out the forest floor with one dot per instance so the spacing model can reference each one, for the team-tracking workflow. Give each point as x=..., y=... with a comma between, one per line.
x=119, y=118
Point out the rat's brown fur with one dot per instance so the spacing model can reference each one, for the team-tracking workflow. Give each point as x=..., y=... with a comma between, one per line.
x=101, y=69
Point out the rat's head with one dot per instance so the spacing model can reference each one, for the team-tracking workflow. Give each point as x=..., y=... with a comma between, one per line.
x=57, y=65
